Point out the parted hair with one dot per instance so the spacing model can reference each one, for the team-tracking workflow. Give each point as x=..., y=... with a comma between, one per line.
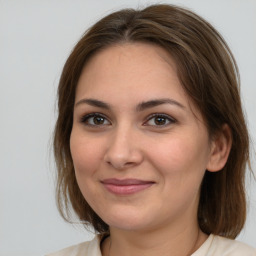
x=209, y=75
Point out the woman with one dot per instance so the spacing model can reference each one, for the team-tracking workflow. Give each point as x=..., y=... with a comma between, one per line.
x=150, y=143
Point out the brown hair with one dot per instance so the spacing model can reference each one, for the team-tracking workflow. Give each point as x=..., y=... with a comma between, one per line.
x=209, y=75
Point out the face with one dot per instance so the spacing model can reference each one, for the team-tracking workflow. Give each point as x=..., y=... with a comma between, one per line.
x=139, y=146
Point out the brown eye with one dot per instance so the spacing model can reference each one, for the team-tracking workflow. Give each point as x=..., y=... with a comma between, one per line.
x=98, y=120
x=160, y=120
x=94, y=120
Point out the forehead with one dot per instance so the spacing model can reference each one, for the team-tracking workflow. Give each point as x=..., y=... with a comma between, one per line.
x=133, y=66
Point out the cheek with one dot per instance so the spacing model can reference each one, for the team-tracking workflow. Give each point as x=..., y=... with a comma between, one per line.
x=85, y=154
x=86, y=157
x=180, y=156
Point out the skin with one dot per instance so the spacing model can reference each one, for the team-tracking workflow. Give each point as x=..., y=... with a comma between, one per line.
x=128, y=142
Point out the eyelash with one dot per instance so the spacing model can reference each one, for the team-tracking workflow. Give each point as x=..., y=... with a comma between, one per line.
x=86, y=118
x=158, y=115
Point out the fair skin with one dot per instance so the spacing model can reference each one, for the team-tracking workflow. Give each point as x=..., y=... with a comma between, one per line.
x=140, y=150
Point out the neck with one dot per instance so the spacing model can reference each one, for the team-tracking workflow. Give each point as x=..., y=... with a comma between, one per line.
x=179, y=241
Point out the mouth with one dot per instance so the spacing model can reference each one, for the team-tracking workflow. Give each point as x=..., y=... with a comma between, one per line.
x=126, y=186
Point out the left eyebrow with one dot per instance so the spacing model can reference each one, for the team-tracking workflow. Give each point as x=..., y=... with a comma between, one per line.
x=153, y=103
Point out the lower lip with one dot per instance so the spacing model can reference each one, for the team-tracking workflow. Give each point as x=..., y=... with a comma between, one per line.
x=126, y=189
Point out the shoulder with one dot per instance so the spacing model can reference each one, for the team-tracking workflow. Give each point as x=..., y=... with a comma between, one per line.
x=232, y=247
x=89, y=248
x=217, y=245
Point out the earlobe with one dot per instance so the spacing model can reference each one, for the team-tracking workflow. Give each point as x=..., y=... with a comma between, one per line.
x=221, y=146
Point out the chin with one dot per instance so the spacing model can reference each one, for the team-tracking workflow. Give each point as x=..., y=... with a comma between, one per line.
x=127, y=220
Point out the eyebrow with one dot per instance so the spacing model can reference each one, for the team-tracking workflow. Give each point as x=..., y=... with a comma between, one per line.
x=94, y=103
x=140, y=107
x=153, y=103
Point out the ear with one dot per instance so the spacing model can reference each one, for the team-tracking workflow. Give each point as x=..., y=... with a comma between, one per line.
x=220, y=149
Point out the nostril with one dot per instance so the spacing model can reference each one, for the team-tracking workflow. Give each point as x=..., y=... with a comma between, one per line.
x=120, y=165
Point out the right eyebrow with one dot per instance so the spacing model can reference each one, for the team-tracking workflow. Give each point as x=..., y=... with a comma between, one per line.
x=94, y=103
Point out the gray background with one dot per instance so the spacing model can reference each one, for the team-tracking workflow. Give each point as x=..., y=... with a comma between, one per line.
x=35, y=39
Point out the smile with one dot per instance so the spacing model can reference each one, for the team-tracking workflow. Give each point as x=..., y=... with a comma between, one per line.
x=126, y=186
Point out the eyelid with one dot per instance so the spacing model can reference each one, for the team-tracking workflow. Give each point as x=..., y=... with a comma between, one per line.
x=168, y=117
x=85, y=117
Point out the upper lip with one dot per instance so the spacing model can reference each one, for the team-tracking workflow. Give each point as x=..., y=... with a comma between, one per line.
x=125, y=182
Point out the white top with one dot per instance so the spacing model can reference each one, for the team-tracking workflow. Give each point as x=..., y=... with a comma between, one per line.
x=213, y=246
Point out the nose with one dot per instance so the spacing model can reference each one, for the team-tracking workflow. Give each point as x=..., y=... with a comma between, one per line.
x=123, y=149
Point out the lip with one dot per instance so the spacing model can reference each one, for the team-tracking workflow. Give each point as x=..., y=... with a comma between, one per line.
x=126, y=186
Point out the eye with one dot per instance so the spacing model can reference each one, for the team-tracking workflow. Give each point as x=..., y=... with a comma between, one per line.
x=95, y=119
x=159, y=120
